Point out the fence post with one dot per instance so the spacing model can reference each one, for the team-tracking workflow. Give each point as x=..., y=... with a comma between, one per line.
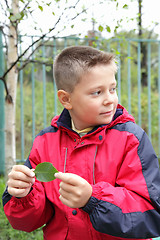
x=2, y=140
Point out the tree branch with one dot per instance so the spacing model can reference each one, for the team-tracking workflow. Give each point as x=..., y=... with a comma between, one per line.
x=8, y=97
x=25, y=7
x=7, y=4
x=33, y=44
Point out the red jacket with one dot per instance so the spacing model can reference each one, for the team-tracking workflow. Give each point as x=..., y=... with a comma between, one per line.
x=120, y=163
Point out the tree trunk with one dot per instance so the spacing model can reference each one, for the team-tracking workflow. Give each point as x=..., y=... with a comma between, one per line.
x=140, y=18
x=10, y=108
x=144, y=74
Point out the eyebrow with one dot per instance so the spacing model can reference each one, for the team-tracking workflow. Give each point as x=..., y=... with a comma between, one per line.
x=101, y=86
x=114, y=83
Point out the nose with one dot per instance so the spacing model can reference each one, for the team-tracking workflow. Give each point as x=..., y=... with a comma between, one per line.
x=109, y=99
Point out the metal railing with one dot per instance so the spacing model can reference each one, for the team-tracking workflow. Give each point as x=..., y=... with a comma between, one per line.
x=37, y=100
x=2, y=120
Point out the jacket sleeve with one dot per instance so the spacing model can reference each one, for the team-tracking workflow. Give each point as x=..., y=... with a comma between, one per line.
x=35, y=209
x=131, y=208
x=30, y=212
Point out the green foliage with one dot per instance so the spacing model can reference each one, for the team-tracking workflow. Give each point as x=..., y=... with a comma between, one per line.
x=108, y=28
x=41, y=8
x=6, y=230
x=125, y=6
x=100, y=28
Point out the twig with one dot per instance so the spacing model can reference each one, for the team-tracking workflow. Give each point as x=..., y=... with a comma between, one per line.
x=8, y=97
x=31, y=45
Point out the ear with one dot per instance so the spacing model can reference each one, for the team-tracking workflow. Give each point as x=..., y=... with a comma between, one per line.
x=64, y=98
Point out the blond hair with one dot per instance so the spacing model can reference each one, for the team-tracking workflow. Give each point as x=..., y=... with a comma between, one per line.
x=73, y=62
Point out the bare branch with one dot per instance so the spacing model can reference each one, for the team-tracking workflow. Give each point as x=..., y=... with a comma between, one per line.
x=152, y=30
x=25, y=6
x=34, y=43
x=7, y=4
x=8, y=96
x=83, y=10
x=27, y=61
x=30, y=46
x=3, y=10
x=74, y=6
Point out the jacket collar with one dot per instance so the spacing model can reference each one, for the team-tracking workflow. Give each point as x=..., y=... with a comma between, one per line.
x=64, y=120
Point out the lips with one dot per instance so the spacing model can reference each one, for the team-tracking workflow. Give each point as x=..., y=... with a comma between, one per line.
x=107, y=113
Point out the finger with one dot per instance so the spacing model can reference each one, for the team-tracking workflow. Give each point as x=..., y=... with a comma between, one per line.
x=24, y=169
x=21, y=173
x=18, y=192
x=18, y=184
x=67, y=187
x=71, y=200
x=69, y=178
x=65, y=201
x=19, y=176
x=64, y=194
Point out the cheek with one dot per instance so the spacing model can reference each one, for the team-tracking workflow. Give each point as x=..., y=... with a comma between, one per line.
x=116, y=100
x=89, y=109
x=115, y=103
x=94, y=105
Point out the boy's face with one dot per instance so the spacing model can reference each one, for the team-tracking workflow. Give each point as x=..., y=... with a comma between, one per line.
x=94, y=99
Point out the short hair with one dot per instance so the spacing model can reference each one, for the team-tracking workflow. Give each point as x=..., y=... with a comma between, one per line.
x=73, y=62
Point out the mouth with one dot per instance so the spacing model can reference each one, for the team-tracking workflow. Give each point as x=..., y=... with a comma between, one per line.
x=108, y=113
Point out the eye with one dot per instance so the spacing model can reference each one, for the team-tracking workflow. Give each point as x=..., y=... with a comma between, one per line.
x=112, y=90
x=96, y=93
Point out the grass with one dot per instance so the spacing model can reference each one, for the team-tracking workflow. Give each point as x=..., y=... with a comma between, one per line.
x=6, y=230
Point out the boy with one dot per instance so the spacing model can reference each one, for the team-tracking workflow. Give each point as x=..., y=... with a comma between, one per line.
x=108, y=186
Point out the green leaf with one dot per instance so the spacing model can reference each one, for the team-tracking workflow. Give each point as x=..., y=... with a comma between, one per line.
x=41, y=8
x=45, y=172
x=48, y=4
x=18, y=16
x=22, y=14
x=100, y=28
x=125, y=6
x=13, y=18
x=108, y=29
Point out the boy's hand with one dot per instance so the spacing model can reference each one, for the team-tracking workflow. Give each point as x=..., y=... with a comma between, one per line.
x=20, y=181
x=74, y=190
